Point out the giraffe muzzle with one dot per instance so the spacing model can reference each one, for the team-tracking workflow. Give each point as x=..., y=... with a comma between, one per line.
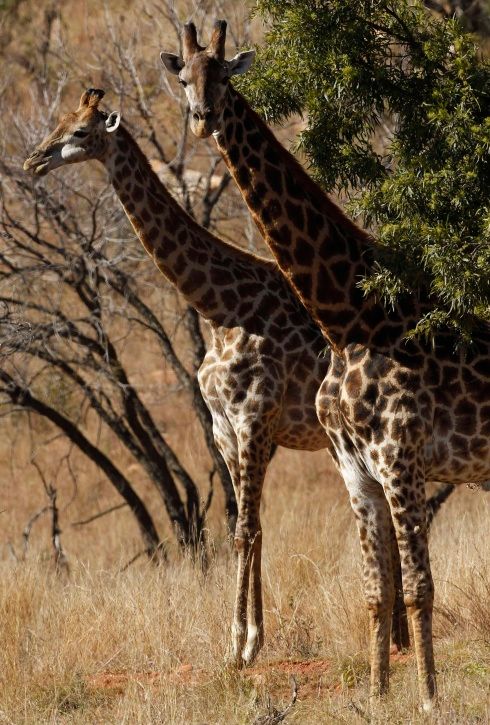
x=203, y=123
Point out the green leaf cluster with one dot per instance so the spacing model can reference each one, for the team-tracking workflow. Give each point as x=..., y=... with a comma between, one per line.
x=396, y=104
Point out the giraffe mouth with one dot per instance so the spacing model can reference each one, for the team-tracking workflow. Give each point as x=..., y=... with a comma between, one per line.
x=37, y=165
x=42, y=168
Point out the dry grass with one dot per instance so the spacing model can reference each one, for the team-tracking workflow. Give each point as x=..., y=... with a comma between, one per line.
x=149, y=645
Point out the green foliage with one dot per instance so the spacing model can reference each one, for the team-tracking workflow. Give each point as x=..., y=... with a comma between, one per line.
x=397, y=109
x=8, y=4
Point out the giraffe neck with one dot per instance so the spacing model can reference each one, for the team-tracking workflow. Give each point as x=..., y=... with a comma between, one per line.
x=321, y=252
x=201, y=266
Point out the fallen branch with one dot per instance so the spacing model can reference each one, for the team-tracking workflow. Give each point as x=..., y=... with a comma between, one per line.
x=358, y=710
x=156, y=557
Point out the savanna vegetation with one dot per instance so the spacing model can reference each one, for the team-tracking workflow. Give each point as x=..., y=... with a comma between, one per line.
x=117, y=575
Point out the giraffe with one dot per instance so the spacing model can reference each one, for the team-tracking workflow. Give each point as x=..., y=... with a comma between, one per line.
x=396, y=412
x=264, y=364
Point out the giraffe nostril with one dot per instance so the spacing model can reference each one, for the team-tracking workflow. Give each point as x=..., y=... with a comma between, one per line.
x=196, y=116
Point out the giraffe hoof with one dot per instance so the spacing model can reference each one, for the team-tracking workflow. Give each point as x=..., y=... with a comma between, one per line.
x=249, y=655
x=234, y=662
x=254, y=644
x=428, y=707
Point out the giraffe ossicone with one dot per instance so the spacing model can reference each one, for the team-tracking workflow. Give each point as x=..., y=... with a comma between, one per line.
x=396, y=412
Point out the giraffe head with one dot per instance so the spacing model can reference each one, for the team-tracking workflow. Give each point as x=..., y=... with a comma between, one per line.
x=79, y=136
x=204, y=73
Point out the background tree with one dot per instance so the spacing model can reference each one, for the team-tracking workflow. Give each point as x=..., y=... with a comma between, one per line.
x=396, y=107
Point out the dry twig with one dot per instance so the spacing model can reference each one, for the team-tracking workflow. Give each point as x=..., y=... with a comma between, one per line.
x=83, y=522
x=275, y=716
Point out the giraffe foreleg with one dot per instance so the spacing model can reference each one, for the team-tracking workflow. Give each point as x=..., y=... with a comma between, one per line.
x=227, y=443
x=255, y=624
x=375, y=533
x=248, y=632
x=409, y=518
x=239, y=624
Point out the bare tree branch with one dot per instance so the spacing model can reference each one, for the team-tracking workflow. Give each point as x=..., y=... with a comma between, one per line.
x=83, y=522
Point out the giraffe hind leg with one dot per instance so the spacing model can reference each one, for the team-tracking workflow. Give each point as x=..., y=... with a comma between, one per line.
x=400, y=634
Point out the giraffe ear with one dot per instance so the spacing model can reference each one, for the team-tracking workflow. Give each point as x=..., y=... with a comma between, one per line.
x=241, y=62
x=112, y=122
x=173, y=63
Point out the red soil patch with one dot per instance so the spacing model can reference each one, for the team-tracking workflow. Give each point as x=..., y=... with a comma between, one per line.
x=118, y=681
x=309, y=675
x=290, y=667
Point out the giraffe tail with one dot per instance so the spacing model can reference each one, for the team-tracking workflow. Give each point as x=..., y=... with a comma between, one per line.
x=435, y=502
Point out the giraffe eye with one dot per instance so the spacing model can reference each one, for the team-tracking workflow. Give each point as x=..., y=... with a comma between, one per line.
x=80, y=133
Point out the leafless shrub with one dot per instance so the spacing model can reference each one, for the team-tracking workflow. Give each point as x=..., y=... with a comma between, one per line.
x=275, y=716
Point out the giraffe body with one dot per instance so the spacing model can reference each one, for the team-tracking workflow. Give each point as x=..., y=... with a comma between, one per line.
x=396, y=413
